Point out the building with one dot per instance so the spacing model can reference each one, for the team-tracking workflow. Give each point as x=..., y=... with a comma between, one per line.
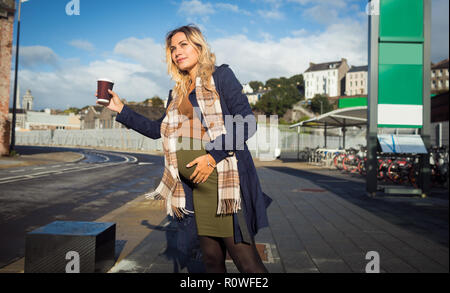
x=46, y=121
x=439, y=120
x=7, y=11
x=27, y=101
x=325, y=79
x=439, y=77
x=252, y=96
x=27, y=119
x=99, y=117
x=356, y=81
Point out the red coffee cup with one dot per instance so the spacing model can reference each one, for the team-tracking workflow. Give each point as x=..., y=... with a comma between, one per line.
x=103, y=85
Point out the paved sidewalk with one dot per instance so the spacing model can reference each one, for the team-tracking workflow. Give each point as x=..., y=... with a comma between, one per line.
x=322, y=221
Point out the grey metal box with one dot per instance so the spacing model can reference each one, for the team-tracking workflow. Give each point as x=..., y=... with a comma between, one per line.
x=51, y=248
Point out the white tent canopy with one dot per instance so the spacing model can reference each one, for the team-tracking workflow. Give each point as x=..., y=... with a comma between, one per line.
x=354, y=116
x=340, y=118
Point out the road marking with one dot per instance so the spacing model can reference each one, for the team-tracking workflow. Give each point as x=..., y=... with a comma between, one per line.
x=16, y=171
x=78, y=167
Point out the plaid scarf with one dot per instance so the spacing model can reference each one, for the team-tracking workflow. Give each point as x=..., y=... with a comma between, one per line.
x=170, y=188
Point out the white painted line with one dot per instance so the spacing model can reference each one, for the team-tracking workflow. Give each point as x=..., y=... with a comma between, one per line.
x=13, y=177
x=40, y=168
x=145, y=163
x=16, y=171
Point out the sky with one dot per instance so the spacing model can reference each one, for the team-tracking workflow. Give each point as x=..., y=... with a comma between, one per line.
x=64, y=50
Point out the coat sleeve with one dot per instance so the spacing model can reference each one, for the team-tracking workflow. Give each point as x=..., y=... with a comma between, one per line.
x=140, y=123
x=240, y=125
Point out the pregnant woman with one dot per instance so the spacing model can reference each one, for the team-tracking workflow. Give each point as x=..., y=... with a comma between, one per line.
x=209, y=172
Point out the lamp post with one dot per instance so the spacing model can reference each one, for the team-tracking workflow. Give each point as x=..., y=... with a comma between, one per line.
x=13, y=127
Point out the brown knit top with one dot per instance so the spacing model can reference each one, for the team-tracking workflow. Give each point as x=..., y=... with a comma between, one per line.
x=186, y=126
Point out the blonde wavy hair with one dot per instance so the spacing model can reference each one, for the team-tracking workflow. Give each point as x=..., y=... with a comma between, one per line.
x=206, y=62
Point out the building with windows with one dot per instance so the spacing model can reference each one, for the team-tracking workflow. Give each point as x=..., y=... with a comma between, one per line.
x=356, y=81
x=325, y=79
x=253, y=96
x=439, y=77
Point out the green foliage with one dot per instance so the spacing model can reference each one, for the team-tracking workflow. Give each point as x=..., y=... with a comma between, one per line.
x=255, y=85
x=72, y=110
x=157, y=102
x=320, y=104
x=283, y=94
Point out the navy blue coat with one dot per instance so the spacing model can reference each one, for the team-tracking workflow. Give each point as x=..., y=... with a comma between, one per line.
x=233, y=102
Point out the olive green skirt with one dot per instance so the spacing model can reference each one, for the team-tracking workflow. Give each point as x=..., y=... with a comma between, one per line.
x=205, y=195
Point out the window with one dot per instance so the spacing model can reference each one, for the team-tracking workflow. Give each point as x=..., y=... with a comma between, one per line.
x=350, y=83
x=356, y=83
x=446, y=83
x=433, y=73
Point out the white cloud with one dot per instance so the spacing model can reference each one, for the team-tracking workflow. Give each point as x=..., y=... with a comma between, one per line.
x=233, y=8
x=195, y=8
x=271, y=14
x=35, y=56
x=252, y=60
x=143, y=51
x=142, y=76
x=83, y=45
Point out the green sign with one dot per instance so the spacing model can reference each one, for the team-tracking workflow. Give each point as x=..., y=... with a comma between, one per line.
x=400, y=64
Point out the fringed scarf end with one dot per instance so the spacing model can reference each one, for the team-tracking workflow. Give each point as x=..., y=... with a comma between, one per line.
x=228, y=206
x=179, y=212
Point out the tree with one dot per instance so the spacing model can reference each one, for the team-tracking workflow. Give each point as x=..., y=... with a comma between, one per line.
x=283, y=94
x=255, y=85
x=157, y=102
x=72, y=110
x=320, y=104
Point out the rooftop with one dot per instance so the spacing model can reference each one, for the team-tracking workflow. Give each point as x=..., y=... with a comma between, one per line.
x=358, y=68
x=325, y=66
x=440, y=65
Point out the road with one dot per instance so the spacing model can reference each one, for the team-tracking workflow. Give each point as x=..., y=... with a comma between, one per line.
x=34, y=196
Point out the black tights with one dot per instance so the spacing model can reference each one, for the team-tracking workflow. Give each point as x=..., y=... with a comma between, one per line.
x=245, y=256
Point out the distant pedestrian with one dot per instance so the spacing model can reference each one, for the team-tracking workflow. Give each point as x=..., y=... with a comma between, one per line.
x=209, y=173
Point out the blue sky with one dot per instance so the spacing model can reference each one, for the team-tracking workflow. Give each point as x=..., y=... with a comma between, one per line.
x=61, y=56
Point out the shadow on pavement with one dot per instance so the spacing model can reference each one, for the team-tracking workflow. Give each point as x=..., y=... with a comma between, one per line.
x=182, y=248
x=425, y=216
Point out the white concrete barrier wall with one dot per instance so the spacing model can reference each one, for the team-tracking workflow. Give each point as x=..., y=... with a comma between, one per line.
x=265, y=140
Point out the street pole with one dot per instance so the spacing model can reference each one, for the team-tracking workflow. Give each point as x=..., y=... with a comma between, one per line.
x=13, y=127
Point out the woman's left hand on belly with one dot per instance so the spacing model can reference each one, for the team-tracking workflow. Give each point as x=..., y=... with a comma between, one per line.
x=203, y=170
